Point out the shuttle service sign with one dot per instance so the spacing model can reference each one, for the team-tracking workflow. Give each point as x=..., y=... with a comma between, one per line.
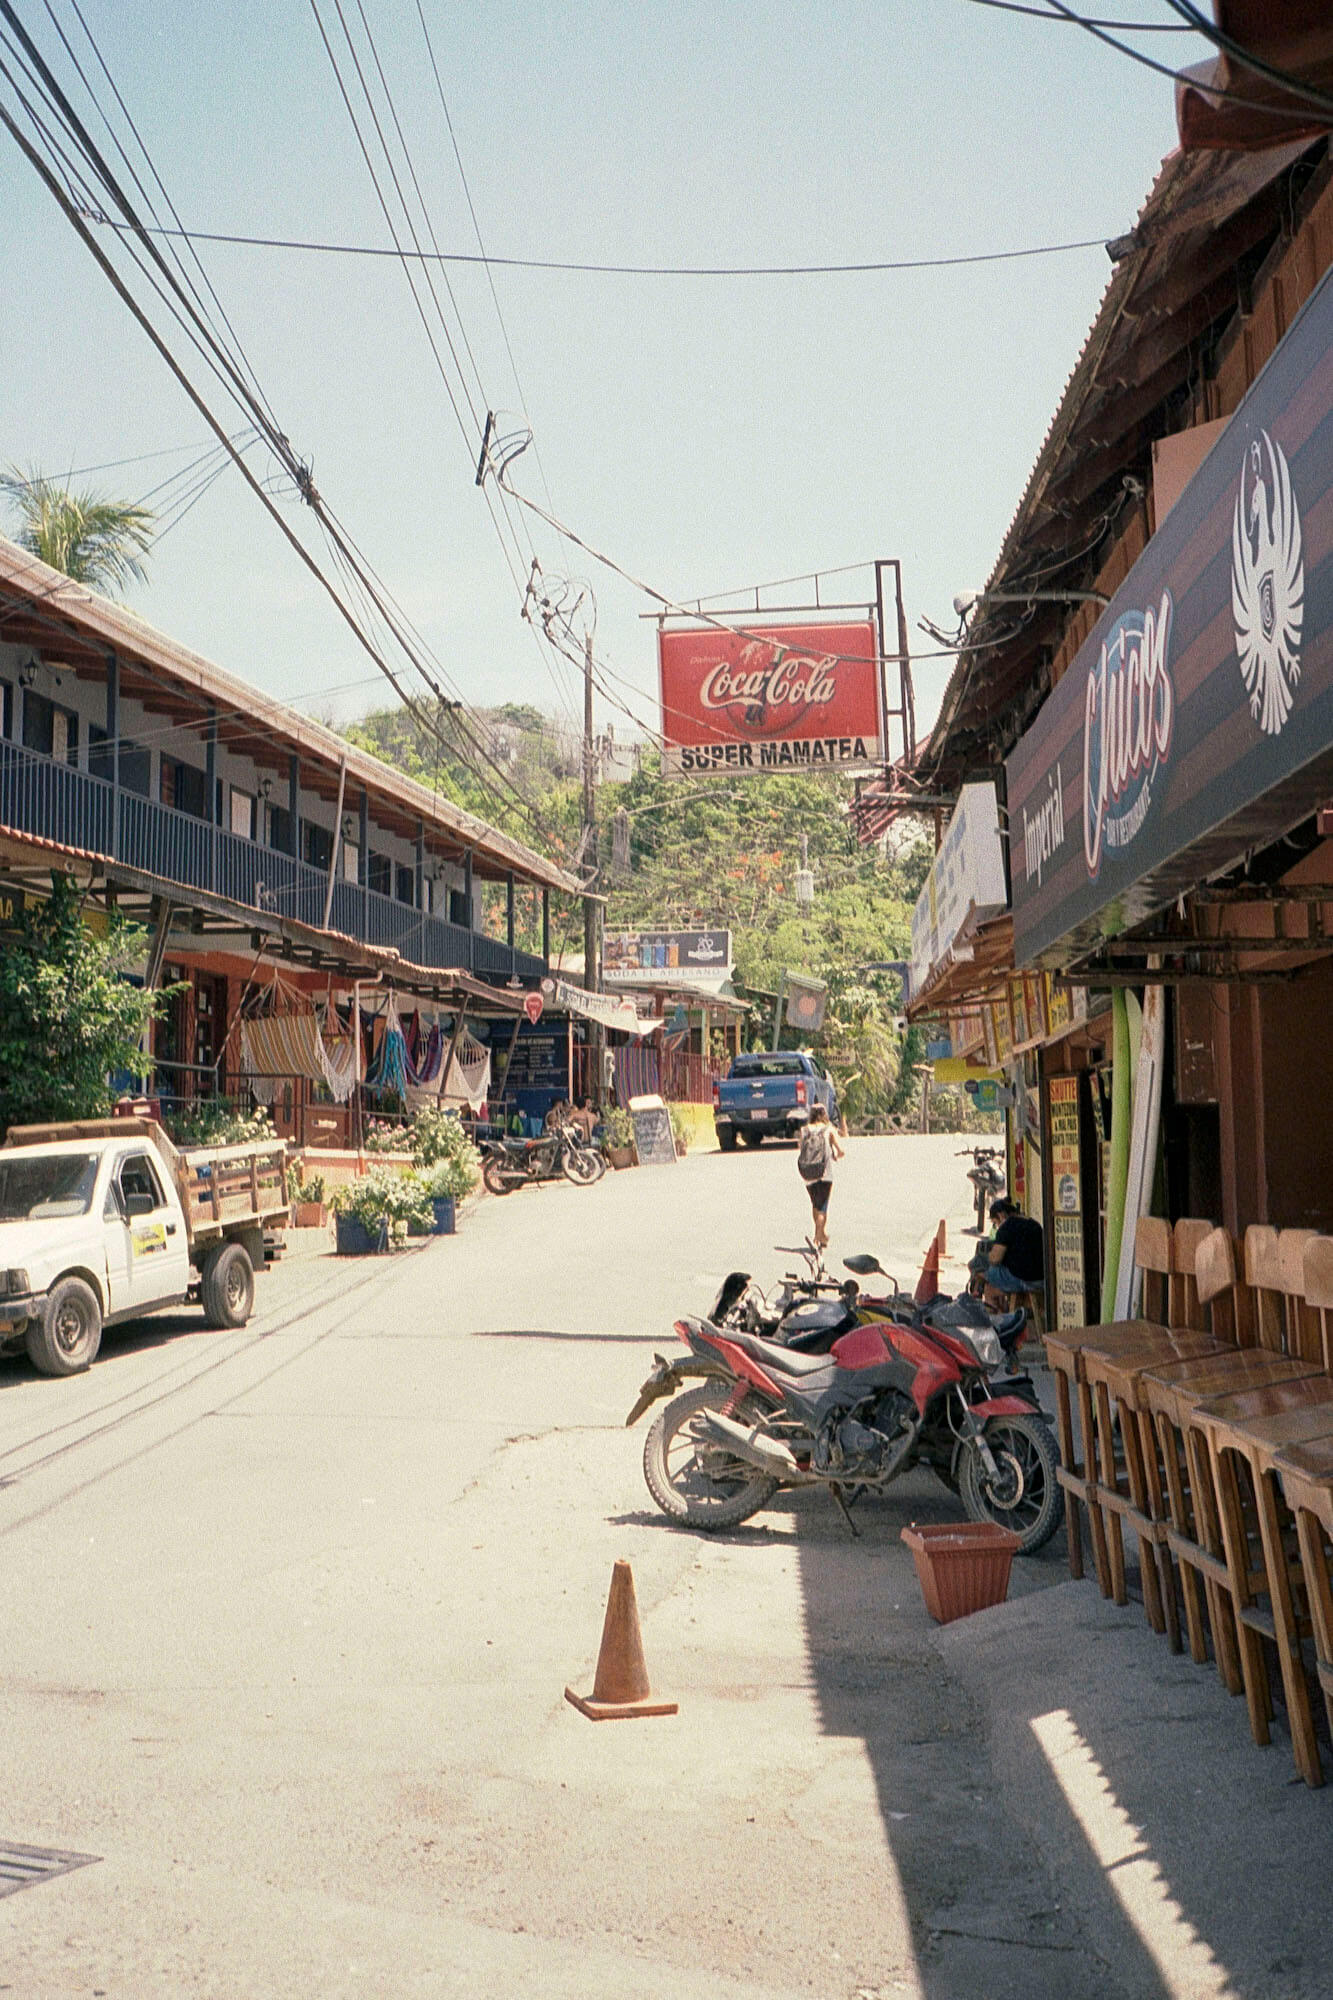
x=771, y=698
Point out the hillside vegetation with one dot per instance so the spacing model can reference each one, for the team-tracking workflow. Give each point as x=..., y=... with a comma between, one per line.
x=714, y=854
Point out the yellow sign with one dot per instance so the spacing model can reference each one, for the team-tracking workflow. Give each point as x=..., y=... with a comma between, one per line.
x=150, y=1236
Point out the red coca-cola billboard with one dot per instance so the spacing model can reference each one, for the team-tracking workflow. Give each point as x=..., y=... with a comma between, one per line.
x=770, y=698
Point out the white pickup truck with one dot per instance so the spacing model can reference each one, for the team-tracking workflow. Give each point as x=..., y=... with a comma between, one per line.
x=104, y=1220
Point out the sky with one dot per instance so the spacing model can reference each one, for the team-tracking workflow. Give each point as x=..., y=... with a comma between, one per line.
x=709, y=434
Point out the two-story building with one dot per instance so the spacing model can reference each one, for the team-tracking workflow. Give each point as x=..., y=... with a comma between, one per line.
x=265, y=855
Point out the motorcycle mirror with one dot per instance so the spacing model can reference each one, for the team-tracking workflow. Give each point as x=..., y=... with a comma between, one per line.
x=863, y=1265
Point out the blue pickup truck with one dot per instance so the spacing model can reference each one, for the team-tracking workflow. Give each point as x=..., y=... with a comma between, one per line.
x=769, y=1096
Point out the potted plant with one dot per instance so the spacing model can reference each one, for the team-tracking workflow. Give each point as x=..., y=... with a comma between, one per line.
x=448, y=1164
x=618, y=1137
x=305, y=1198
x=680, y=1130
x=377, y=1209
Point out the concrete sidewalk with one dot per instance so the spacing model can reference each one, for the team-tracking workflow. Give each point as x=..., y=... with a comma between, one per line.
x=1199, y=1863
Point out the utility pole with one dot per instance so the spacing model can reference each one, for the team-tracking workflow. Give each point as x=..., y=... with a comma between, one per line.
x=591, y=968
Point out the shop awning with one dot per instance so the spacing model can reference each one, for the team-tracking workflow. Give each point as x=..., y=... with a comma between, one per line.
x=1196, y=724
x=604, y=1008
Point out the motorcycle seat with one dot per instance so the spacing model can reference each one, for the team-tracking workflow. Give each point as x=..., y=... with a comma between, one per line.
x=781, y=1360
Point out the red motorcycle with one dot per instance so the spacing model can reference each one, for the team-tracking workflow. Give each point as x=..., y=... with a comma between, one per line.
x=887, y=1397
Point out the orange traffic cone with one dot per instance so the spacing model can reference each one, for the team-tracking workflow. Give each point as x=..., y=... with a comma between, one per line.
x=621, y=1688
x=928, y=1284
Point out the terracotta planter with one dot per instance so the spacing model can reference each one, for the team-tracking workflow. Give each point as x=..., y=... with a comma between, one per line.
x=620, y=1156
x=309, y=1215
x=962, y=1566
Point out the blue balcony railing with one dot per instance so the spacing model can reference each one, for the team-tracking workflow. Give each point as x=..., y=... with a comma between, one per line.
x=54, y=801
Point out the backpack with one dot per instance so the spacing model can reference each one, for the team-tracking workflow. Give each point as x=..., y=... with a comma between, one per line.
x=812, y=1156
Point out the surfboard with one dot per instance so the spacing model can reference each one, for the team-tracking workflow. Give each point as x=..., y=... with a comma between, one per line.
x=1147, y=1120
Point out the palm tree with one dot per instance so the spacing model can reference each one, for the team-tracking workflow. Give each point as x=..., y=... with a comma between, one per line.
x=96, y=541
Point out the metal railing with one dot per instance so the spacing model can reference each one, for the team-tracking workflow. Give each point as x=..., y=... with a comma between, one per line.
x=55, y=801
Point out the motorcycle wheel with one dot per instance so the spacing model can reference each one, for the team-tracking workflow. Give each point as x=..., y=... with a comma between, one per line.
x=1027, y=1496
x=498, y=1179
x=695, y=1483
x=579, y=1167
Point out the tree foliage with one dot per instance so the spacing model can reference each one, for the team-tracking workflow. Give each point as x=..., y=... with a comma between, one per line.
x=69, y=1018
x=709, y=853
x=94, y=540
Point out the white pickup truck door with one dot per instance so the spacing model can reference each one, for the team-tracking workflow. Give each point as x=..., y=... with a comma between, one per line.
x=148, y=1257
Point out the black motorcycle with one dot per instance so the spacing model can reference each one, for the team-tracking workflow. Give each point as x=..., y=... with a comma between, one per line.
x=514, y=1163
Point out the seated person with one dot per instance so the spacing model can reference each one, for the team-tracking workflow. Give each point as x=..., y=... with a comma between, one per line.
x=584, y=1118
x=557, y=1115
x=1016, y=1260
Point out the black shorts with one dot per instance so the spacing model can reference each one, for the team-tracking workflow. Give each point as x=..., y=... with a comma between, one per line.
x=819, y=1194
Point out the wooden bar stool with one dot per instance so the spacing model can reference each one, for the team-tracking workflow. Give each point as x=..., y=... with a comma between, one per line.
x=1064, y=1347
x=1190, y=1531
x=1305, y=1473
x=1209, y=1535
x=1186, y=1309
x=1243, y=1435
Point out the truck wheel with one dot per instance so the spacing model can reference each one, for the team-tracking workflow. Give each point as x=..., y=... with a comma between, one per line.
x=753, y=1138
x=726, y=1138
x=65, y=1340
x=227, y=1286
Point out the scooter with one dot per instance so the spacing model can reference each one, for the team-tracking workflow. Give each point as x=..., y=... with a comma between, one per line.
x=986, y=1178
x=887, y=1397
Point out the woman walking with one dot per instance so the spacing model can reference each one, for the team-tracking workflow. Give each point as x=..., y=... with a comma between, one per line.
x=815, y=1155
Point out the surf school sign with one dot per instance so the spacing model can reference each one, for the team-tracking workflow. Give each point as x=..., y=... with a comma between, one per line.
x=770, y=698
x=1196, y=723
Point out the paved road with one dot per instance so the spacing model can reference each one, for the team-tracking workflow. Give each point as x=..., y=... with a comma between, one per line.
x=289, y=1614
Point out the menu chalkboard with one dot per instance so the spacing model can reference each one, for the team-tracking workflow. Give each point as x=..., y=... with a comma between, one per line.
x=653, y=1138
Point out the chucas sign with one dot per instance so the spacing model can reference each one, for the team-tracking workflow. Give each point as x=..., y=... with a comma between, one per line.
x=1197, y=721
x=775, y=698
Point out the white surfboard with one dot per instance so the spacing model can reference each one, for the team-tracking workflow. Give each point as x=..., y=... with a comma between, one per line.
x=1144, y=1130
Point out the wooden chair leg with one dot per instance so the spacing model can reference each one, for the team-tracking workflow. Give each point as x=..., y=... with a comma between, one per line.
x=1208, y=1532
x=1286, y=1627
x=1115, y=1539
x=1319, y=1594
x=1064, y=1425
x=1138, y=1493
x=1178, y=1515
x=1254, y=1670
x=1096, y=1525
x=1156, y=1506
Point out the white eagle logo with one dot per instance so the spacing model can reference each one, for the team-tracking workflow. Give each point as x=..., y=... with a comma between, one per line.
x=1268, y=585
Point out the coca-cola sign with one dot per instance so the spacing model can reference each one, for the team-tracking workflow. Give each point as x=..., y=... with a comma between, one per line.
x=771, y=698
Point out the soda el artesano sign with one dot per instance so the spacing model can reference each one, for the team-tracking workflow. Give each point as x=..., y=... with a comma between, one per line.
x=1197, y=721
x=770, y=698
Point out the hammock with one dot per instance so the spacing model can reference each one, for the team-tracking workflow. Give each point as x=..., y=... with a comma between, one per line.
x=468, y=1081
x=388, y=1071
x=291, y=1045
x=637, y=1074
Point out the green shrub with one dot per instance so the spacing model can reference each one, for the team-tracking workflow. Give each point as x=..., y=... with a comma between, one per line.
x=384, y=1197
x=617, y=1127
x=437, y=1134
x=388, y=1139
x=217, y=1123
x=456, y=1174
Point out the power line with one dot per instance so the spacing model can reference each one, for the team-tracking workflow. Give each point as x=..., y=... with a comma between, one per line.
x=201, y=334
x=1059, y=12
x=859, y=269
x=1295, y=85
